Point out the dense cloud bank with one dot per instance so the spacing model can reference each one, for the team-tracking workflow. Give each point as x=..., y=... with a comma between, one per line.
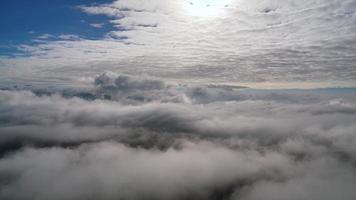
x=141, y=138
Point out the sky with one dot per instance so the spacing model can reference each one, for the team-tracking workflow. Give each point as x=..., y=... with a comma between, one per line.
x=24, y=21
x=178, y=100
x=263, y=44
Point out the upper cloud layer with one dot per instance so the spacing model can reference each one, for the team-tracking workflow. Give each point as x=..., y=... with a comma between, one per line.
x=235, y=41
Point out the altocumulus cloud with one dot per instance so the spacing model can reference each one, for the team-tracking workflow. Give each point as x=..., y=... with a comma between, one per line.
x=134, y=138
x=232, y=41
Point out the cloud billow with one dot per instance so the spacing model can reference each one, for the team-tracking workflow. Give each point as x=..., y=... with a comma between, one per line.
x=232, y=144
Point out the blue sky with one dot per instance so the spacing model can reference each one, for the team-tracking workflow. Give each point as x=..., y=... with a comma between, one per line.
x=22, y=21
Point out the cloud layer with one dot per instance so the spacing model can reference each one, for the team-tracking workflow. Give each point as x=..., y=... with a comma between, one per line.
x=142, y=138
x=294, y=44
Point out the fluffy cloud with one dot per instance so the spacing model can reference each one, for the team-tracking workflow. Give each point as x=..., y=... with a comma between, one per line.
x=111, y=171
x=176, y=141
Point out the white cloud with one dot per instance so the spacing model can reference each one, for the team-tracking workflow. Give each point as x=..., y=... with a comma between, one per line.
x=170, y=122
x=97, y=25
x=125, y=137
x=68, y=37
x=237, y=42
x=45, y=36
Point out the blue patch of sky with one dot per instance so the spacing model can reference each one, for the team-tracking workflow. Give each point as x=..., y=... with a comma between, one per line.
x=22, y=21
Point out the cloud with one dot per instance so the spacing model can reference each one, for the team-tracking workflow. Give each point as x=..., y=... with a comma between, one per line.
x=308, y=43
x=45, y=36
x=213, y=142
x=68, y=37
x=171, y=118
x=97, y=25
x=110, y=171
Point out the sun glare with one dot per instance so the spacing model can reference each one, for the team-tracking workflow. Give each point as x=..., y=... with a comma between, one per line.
x=206, y=8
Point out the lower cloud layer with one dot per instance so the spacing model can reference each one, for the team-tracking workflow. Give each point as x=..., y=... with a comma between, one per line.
x=133, y=138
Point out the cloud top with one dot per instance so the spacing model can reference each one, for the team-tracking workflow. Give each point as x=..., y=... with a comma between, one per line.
x=215, y=143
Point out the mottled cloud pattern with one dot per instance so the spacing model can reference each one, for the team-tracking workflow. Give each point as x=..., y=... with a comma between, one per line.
x=304, y=43
x=133, y=137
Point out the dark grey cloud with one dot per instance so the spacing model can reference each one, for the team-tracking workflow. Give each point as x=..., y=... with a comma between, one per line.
x=176, y=142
